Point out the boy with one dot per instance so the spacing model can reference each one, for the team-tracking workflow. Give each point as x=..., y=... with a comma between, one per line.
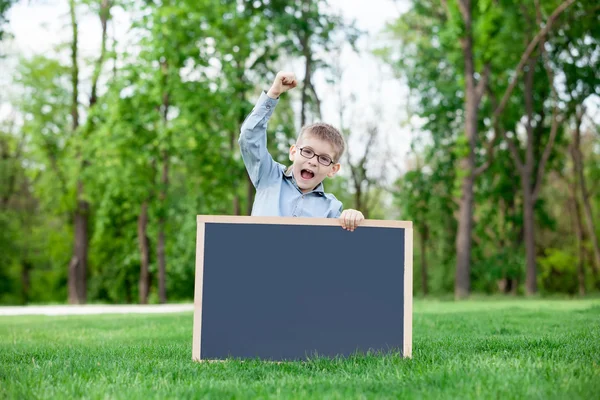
x=297, y=191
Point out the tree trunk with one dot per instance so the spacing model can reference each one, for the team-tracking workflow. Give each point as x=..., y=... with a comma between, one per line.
x=577, y=157
x=304, y=97
x=128, y=290
x=26, y=267
x=528, y=222
x=423, y=241
x=305, y=43
x=251, y=191
x=236, y=203
x=358, y=194
x=531, y=184
x=462, y=283
x=514, y=285
x=78, y=265
x=589, y=219
x=237, y=208
x=104, y=15
x=590, y=257
x=74, y=68
x=162, y=262
x=162, y=194
x=527, y=167
x=575, y=209
x=528, y=200
x=576, y=212
x=144, y=246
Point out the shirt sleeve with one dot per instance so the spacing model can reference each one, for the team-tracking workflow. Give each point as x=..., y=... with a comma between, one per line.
x=253, y=142
x=338, y=212
x=336, y=209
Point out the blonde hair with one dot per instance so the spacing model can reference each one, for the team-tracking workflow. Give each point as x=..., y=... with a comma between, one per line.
x=327, y=133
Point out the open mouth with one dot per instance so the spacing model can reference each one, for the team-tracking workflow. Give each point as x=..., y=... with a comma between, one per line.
x=307, y=174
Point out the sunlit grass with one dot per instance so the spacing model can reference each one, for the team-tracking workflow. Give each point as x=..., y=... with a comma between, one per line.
x=474, y=349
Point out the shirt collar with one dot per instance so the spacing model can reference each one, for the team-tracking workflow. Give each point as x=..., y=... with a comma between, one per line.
x=320, y=190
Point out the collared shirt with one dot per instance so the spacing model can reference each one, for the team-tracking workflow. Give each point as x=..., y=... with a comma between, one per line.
x=277, y=193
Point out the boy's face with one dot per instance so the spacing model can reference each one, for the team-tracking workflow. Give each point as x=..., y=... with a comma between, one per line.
x=309, y=172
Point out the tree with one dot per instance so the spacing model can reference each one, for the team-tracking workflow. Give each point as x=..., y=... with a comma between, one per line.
x=574, y=53
x=474, y=89
x=309, y=31
x=17, y=208
x=467, y=35
x=579, y=189
x=414, y=196
x=44, y=104
x=79, y=261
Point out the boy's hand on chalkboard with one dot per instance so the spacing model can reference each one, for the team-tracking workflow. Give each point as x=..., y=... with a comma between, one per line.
x=350, y=219
x=283, y=82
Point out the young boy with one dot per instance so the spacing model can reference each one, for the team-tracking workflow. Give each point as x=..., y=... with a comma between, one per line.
x=296, y=191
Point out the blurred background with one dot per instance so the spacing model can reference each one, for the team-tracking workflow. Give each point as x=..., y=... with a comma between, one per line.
x=478, y=120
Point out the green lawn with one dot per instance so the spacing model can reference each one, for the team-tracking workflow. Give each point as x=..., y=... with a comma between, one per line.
x=498, y=349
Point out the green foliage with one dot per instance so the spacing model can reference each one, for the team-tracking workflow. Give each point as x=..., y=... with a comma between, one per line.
x=424, y=196
x=558, y=272
x=504, y=263
x=426, y=49
x=177, y=95
x=174, y=100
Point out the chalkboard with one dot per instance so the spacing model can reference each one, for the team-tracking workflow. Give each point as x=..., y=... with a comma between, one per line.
x=293, y=288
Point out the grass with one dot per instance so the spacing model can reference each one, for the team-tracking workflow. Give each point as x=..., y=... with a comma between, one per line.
x=534, y=349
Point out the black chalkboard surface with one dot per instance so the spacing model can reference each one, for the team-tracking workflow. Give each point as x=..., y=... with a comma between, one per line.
x=292, y=288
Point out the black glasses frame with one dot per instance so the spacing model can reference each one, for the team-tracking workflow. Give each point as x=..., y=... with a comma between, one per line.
x=302, y=150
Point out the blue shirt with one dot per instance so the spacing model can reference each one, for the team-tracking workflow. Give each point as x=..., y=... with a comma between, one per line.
x=277, y=193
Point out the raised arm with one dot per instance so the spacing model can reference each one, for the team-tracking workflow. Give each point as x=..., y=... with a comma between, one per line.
x=253, y=136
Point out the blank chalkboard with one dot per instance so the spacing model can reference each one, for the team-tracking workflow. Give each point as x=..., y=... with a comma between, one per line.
x=294, y=288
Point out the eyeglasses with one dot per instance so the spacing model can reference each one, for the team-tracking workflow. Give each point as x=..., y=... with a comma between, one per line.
x=308, y=153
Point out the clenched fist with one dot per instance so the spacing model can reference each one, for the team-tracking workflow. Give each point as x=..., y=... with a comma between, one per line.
x=350, y=219
x=283, y=82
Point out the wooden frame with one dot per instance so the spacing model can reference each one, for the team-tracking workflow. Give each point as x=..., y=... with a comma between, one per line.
x=202, y=220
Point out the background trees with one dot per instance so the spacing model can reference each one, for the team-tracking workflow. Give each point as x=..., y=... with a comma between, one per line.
x=106, y=159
